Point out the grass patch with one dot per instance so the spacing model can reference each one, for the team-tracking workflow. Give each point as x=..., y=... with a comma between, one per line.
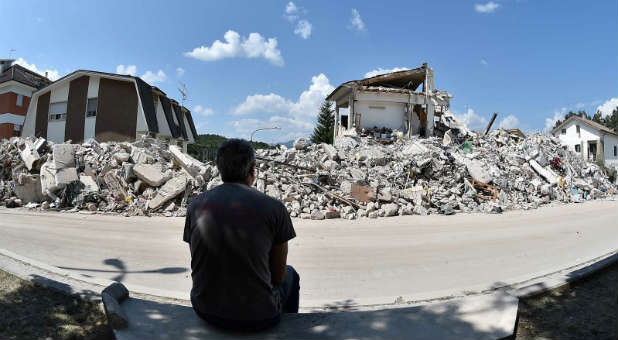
x=31, y=311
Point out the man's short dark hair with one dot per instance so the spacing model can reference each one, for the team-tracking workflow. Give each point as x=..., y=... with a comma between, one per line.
x=235, y=160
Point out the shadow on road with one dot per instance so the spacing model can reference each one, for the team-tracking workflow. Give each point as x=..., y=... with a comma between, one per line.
x=122, y=270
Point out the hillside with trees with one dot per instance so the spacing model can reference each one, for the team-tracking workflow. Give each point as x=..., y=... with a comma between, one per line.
x=610, y=121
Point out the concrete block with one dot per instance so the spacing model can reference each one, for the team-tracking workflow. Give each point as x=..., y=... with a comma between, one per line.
x=65, y=176
x=190, y=164
x=330, y=151
x=478, y=172
x=168, y=191
x=90, y=185
x=64, y=156
x=150, y=174
x=48, y=178
x=141, y=156
x=28, y=188
x=30, y=157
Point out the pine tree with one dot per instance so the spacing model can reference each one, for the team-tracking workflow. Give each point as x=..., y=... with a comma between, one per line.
x=325, y=129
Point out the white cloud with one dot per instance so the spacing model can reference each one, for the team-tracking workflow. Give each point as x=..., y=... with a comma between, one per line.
x=509, y=122
x=303, y=29
x=151, y=77
x=483, y=62
x=203, y=111
x=608, y=107
x=550, y=122
x=129, y=69
x=52, y=74
x=291, y=12
x=489, y=7
x=380, y=71
x=235, y=46
x=296, y=118
x=472, y=120
x=356, y=21
x=180, y=72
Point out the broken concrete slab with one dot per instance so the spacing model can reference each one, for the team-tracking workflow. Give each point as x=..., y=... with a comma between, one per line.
x=478, y=171
x=300, y=143
x=30, y=157
x=172, y=188
x=28, y=188
x=90, y=185
x=329, y=151
x=64, y=156
x=190, y=164
x=150, y=174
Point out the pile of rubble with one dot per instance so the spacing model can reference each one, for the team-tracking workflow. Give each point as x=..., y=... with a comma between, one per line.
x=460, y=172
x=141, y=178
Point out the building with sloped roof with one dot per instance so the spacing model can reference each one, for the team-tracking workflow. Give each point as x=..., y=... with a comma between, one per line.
x=591, y=140
x=17, y=84
x=107, y=107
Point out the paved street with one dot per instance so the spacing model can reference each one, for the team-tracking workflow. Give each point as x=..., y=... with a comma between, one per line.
x=341, y=262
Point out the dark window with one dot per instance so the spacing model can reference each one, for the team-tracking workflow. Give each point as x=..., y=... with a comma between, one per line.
x=577, y=148
x=91, y=110
x=564, y=131
x=615, y=151
x=577, y=127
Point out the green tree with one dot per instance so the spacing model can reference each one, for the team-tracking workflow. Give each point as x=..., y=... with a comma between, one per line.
x=325, y=129
x=611, y=121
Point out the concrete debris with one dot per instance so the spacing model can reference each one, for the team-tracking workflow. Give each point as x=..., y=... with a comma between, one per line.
x=146, y=177
x=359, y=177
x=300, y=143
x=459, y=171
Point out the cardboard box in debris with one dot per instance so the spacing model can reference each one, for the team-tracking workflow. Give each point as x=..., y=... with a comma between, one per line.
x=355, y=178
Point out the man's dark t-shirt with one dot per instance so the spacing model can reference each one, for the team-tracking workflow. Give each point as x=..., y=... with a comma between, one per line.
x=231, y=230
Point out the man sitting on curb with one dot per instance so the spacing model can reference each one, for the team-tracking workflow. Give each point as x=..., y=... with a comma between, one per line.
x=238, y=238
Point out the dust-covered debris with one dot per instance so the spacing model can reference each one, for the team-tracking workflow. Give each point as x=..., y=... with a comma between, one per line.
x=139, y=178
x=459, y=172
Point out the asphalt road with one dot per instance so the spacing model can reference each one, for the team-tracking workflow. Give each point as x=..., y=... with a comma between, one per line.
x=341, y=262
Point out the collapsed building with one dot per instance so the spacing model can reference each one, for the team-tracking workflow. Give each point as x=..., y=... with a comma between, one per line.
x=391, y=101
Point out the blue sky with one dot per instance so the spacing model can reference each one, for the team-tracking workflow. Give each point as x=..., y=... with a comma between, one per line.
x=530, y=61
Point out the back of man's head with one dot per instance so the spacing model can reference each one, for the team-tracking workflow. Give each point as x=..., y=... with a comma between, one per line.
x=235, y=160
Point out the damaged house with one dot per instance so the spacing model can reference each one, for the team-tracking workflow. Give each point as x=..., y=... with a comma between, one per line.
x=107, y=107
x=405, y=101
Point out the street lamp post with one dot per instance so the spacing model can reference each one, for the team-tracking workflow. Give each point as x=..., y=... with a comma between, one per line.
x=267, y=128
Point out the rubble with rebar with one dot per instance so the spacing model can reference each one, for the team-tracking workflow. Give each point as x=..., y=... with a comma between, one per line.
x=140, y=178
x=460, y=172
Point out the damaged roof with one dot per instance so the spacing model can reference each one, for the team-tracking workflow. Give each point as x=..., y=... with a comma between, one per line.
x=22, y=75
x=404, y=81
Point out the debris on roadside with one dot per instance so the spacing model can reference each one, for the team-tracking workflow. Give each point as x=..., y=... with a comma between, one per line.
x=460, y=171
x=142, y=178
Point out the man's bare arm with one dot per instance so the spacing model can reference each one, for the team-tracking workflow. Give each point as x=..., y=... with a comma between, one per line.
x=278, y=260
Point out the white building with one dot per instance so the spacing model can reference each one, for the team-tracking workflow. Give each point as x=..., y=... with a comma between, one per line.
x=591, y=140
x=107, y=107
x=392, y=101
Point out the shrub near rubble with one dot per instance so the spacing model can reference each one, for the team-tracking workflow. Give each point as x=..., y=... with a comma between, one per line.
x=357, y=177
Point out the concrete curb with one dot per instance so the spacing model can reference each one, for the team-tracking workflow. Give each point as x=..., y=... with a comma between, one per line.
x=72, y=283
